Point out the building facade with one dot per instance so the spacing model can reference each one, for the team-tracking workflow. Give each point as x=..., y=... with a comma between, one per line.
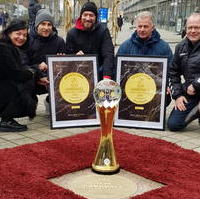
x=169, y=14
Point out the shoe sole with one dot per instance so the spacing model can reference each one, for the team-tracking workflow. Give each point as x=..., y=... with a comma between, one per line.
x=12, y=130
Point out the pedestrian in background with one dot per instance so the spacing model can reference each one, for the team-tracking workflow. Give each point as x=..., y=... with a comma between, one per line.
x=120, y=22
x=44, y=40
x=146, y=41
x=5, y=18
x=186, y=64
x=18, y=98
x=34, y=6
x=91, y=37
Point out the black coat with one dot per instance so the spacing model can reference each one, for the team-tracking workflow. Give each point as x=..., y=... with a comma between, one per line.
x=42, y=46
x=17, y=97
x=25, y=61
x=97, y=41
x=120, y=21
x=186, y=62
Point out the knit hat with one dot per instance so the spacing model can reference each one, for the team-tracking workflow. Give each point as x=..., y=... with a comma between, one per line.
x=89, y=6
x=43, y=15
x=16, y=24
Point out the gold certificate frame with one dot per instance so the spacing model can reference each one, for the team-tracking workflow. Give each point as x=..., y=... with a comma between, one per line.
x=143, y=83
x=72, y=80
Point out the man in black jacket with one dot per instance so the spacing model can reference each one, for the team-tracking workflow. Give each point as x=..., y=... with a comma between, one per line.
x=44, y=40
x=186, y=64
x=90, y=37
x=120, y=22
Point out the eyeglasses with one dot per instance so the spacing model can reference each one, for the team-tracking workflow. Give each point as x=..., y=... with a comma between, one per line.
x=195, y=28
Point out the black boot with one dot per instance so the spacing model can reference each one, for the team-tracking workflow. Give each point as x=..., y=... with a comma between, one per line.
x=10, y=125
x=193, y=115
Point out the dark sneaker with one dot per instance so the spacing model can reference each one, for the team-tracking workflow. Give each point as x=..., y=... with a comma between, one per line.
x=12, y=126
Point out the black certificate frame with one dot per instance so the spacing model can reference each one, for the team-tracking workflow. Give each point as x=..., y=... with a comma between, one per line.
x=143, y=82
x=72, y=80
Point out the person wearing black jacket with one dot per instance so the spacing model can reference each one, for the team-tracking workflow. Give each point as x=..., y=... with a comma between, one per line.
x=186, y=64
x=90, y=37
x=18, y=98
x=34, y=6
x=44, y=41
x=120, y=22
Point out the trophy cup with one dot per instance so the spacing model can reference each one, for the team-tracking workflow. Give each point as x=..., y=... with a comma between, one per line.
x=107, y=94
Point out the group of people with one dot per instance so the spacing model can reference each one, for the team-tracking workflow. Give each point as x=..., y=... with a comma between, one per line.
x=24, y=69
x=23, y=59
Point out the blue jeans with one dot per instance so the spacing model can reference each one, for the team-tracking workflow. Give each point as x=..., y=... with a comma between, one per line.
x=176, y=120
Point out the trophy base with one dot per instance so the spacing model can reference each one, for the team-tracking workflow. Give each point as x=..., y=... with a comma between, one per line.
x=103, y=170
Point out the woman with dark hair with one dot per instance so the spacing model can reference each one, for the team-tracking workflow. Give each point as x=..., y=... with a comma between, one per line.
x=17, y=81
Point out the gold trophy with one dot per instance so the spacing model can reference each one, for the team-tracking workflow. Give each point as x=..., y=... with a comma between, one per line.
x=107, y=94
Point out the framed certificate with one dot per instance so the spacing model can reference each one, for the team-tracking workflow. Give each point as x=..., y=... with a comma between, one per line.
x=72, y=80
x=143, y=83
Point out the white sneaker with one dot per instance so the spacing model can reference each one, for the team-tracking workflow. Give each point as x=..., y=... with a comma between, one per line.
x=46, y=104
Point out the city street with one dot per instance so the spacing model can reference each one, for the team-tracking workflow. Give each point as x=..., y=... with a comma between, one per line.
x=39, y=128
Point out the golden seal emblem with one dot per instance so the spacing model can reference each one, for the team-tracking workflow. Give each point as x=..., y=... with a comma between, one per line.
x=140, y=88
x=74, y=88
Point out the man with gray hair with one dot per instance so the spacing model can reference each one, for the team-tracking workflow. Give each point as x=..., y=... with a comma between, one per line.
x=186, y=64
x=146, y=41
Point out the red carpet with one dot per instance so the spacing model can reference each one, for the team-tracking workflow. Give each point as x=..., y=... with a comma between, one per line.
x=24, y=170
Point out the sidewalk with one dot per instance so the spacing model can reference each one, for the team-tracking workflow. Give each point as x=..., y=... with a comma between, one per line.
x=39, y=128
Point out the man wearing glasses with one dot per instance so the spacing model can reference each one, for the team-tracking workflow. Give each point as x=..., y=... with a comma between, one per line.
x=185, y=77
